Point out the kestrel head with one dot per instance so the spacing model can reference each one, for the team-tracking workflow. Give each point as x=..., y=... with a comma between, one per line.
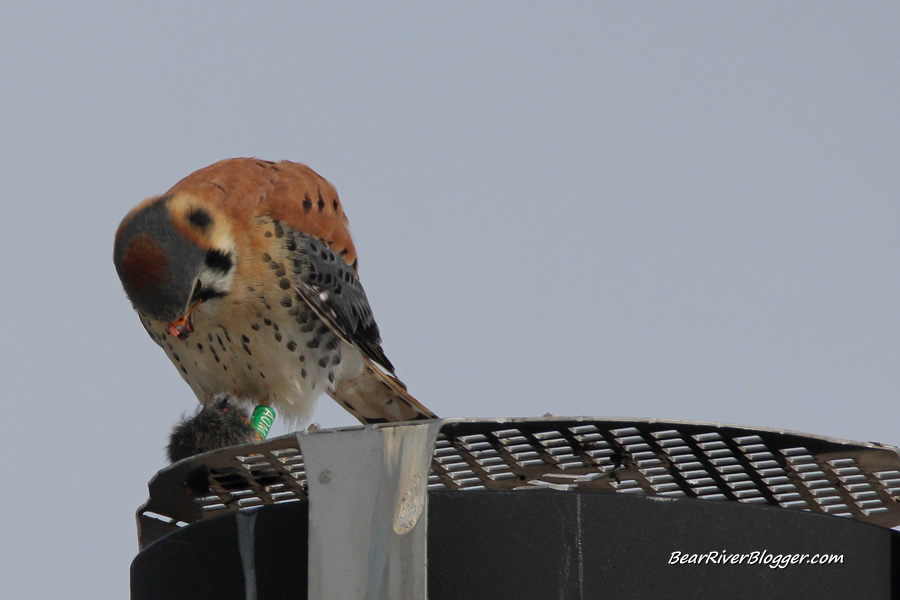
x=173, y=253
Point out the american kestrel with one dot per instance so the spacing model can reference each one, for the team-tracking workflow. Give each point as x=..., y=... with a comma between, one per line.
x=245, y=274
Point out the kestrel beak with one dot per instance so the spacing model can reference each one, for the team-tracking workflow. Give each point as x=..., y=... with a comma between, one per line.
x=183, y=326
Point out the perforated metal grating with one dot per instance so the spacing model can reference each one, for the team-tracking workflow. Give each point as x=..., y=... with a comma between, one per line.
x=664, y=458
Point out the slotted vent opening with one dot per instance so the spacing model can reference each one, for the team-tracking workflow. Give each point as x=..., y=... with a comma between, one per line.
x=671, y=459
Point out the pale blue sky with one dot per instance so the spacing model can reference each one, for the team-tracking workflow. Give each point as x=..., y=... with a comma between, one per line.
x=681, y=210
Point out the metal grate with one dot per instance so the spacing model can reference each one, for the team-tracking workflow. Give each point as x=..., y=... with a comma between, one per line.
x=663, y=458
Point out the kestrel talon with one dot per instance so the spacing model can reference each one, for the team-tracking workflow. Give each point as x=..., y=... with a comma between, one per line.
x=245, y=274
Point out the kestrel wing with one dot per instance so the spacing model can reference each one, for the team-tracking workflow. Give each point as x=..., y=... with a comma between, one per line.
x=331, y=288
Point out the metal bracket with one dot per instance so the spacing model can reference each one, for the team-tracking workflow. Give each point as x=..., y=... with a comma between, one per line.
x=368, y=510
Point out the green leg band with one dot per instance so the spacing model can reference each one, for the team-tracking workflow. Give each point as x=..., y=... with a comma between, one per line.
x=262, y=419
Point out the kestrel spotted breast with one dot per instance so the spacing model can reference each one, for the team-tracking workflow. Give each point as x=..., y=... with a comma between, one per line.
x=245, y=274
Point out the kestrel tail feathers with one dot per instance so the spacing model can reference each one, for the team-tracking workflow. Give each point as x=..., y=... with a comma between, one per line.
x=375, y=397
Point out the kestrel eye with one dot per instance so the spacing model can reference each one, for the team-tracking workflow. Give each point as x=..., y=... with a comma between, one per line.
x=198, y=287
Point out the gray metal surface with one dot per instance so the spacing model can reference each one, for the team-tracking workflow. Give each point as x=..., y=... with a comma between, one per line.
x=368, y=510
x=665, y=458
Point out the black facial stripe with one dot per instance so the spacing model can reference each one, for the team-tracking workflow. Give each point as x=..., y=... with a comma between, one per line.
x=200, y=219
x=205, y=294
x=219, y=261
